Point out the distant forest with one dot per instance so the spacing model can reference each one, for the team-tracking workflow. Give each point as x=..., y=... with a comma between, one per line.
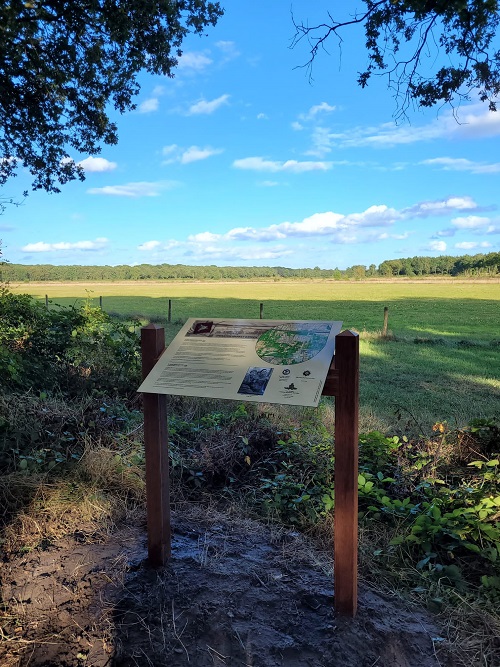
x=467, y=265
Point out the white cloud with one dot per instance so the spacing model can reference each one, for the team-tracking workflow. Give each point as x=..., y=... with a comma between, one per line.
x=210, y=253
x=470, y=222
x=343, y=228
x=470, y=122
x=97, y=164
x=476, y=123
x=297, y=126
x=228, y=48
x=252, y=234
x=149, y=245
x=262, y=116
x=167, y=150
x=471, y=245
x=313, y=112
x=375, y=224
x=12, y=160
x=187, y=155
x=445, y=233
x=291, y=166
x=437, y=246
x=398, y=237
x=321, y=144
x=440, y=207
x=462, y=164
x=152, y=104
x=140, y=189
x=204, y=237
x=194, y=153
x=42, y=246
x=268, y=184
x=195, y=61
x=208, y=107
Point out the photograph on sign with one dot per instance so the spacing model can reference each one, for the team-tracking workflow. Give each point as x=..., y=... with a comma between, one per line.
x=268, y=361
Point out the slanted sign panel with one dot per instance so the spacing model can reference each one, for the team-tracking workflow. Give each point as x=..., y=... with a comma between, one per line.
x=267, y=361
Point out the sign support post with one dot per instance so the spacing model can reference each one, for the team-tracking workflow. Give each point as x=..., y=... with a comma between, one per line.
x=156, y=450
x=346, y=472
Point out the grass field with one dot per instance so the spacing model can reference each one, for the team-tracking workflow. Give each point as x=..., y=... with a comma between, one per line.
x=451, y=310
x=443, y=363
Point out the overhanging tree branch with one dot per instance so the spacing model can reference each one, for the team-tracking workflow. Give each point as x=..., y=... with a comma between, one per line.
x=63, y=63
x=460, y=34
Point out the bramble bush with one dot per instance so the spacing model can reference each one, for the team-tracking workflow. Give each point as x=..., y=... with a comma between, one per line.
x=437, y=497
x=66, y=350
x=65, y=374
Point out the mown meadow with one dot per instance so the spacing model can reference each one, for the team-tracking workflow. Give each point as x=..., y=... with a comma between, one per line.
x=444, y=345
x=448, y=309
x=71, y=441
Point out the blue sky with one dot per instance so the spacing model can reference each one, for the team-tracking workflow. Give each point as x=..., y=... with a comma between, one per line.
x=244, y=159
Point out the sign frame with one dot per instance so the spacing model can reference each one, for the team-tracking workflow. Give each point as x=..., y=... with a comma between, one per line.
x=262, y=361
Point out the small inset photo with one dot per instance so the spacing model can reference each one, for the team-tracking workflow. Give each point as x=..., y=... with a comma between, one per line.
x=255, y=381
x=200, y=328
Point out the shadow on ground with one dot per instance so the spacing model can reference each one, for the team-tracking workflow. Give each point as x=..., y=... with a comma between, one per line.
x=235, y=593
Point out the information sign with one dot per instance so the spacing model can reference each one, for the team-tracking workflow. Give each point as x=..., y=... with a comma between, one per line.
x=267, y=361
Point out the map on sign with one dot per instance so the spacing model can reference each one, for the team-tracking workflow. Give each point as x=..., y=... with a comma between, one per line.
x=271, y=361
x=293, y=342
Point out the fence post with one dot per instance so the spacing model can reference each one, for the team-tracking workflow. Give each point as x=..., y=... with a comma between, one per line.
x=100, y=302
x=346, y=473
x=169, y=318
x=261, y=310
x=156, y=450
x=47, y=301
x=386, y=321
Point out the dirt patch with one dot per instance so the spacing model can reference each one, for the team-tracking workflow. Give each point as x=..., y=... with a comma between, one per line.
x=235, y=593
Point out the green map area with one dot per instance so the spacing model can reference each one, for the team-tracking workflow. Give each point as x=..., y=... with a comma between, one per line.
x=292, y=343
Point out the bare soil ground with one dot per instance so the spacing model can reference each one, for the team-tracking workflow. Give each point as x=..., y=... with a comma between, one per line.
x=235, y=593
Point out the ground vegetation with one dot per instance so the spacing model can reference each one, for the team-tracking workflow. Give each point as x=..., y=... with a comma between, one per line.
x=76, y=589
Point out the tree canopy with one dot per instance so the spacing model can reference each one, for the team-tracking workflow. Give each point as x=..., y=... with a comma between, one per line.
x=62, y=64
x=432, y=51
x=467, y=265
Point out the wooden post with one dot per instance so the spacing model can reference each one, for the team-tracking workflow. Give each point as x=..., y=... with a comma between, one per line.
x=261, y=310
x=386, y=321
x=169, y=318
x=47, y=301
x=346, y=473
x=100, y=302
x=156, y=449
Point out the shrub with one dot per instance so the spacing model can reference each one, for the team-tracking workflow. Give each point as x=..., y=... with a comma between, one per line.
x=64, y=349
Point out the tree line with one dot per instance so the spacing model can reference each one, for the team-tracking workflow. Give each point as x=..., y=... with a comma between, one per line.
x=466, y=265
